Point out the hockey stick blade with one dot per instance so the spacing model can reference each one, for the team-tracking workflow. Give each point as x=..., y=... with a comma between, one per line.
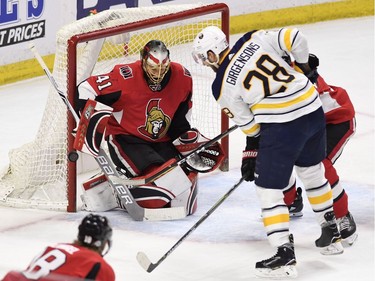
x=145, y=262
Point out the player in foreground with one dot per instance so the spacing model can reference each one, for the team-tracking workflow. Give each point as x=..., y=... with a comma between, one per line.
x=151, y=104
x=279, y=110
x=77, y=261
x=340, y=127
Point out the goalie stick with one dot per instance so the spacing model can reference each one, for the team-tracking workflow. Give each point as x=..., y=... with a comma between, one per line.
x=145, y=262
x=127, y=200
x=169, y=165
x=135, y=211
x=53, y=81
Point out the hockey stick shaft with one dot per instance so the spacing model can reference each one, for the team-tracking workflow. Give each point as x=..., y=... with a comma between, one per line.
x=165, y=169
x=53, y=82
x=145, y=262
x=127, y=201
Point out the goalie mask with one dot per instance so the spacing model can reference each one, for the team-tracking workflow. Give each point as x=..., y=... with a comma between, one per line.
x=212, y=39
x=155, y=62
x=95, y=232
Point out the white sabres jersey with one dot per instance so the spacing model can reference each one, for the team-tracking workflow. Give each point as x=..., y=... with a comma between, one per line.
x=255, y=85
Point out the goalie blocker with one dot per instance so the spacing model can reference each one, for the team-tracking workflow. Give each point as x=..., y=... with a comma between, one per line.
x=177, y=188
x=91, y=127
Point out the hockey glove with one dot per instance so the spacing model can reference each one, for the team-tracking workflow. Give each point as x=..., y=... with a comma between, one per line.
x=206, y=160
x=312, y=74
x=91, y=127
x=313, y=61
x=249, y=156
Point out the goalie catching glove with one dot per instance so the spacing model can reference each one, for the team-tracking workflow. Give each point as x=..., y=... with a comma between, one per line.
x=205, y=161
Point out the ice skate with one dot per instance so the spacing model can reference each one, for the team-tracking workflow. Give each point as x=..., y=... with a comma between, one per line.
x=330, y=239
x=348, y=229
x=295, y=210
x=281, y=265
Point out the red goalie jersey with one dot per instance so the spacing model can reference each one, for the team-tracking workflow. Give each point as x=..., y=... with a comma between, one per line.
x=65, y=262
x=137, y=110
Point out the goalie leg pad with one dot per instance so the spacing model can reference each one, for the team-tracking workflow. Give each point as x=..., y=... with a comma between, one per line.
x=151, y=196
x=172, y=189
x=188, y=198
x=176, y=181
x=98, y=195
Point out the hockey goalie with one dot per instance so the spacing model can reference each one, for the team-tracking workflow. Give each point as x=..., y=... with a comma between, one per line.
x=142, y=110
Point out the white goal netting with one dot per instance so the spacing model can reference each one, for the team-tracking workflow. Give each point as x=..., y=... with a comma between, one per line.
x=38, y=174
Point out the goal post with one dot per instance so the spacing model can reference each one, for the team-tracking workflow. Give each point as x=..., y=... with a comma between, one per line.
x=91, y=46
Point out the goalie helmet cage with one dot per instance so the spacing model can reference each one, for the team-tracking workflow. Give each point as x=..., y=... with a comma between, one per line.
x=40, y=175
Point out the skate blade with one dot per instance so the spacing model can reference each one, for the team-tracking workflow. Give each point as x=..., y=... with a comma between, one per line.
x=284, y=272
x=349, y=241
x=333, y=249
x=296, y=215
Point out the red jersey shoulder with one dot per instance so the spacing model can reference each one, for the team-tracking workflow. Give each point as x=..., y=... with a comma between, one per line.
x=113, y=82
x=128, y=71
x=180, y=69
x=84, y=254
x=181, y=77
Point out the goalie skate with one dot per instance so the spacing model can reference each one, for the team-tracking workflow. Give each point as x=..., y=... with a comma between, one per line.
x=281, y=265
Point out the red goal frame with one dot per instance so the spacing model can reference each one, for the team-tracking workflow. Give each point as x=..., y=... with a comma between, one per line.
x=72, y=79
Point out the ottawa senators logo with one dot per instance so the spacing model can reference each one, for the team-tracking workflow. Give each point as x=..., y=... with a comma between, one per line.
x=157, y=123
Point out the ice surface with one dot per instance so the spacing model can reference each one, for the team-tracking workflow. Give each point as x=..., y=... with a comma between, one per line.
x=227, y=245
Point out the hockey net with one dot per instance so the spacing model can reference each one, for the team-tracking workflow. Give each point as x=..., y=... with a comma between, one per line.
x=40, y=174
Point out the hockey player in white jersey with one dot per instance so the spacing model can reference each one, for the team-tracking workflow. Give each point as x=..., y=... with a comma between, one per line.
x=278, y=108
